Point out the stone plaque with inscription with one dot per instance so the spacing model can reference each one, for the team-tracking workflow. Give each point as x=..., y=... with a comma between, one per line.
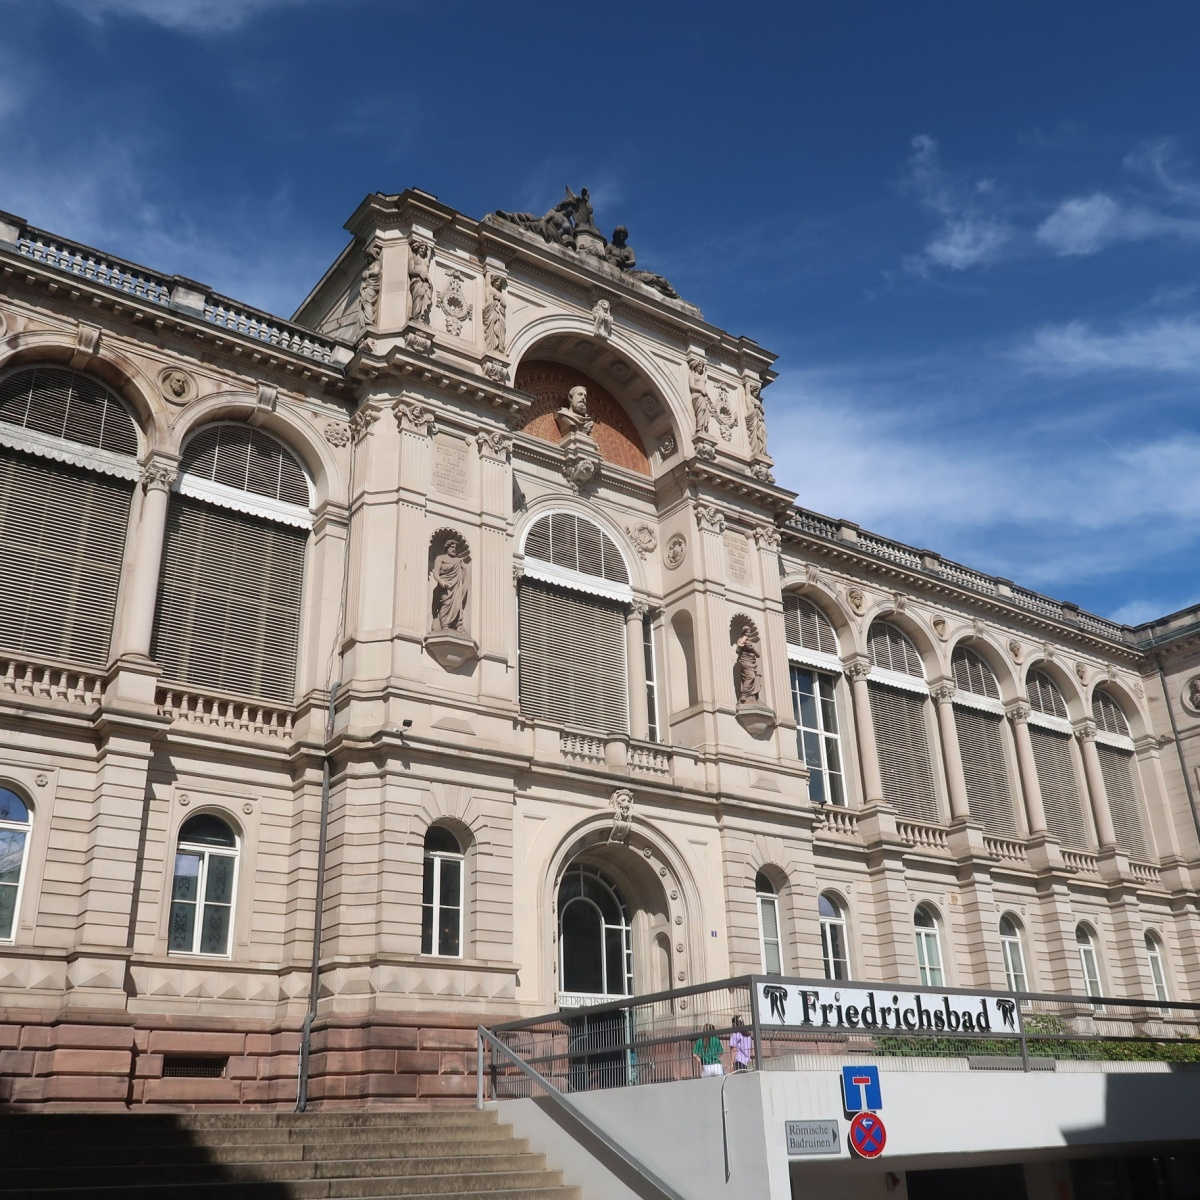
x=737, y=557
x=450, y=465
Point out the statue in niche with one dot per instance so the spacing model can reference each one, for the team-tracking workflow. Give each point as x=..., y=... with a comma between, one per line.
x=420, y=289
x=368, y=289
x=573, y=417
x=495, y=313
x=747, y=666
x=756, y=424
x=450, y=585
x=702, y=404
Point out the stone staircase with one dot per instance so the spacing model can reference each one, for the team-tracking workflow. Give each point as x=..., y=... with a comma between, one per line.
x=453, y=1154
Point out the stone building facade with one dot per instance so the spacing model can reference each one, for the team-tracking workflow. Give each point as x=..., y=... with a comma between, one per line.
x=463, y=610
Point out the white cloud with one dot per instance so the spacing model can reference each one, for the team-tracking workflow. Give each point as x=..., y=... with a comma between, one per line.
x=184, y=16
x=1166, y=345
x=972, y=231
x=1159, y=161
x=1088, y=224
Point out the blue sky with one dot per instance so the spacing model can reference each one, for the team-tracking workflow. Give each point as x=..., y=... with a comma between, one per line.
x=970, y=231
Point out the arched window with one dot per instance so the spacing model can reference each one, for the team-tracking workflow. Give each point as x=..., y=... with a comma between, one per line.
x=16, y=821
x=834, y=945
x=1014, y=954
x=1158, y=974
x=768, y=924
x=929, y=947
x=1114, y=748
x=230, y=587
x=898, y=702
x=978, y=717
x=206, y=858
x=815, y=668
x=573, y=598
x=596, y=954
x=68, y=462
x=1088, y=961
x=442, y=894
x=1051, y=739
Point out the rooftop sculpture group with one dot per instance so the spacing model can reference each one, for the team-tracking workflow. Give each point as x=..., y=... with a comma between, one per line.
x=571, y=223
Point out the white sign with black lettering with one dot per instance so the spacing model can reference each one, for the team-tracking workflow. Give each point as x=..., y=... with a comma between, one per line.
x=812, y=1137
x=886, y=1009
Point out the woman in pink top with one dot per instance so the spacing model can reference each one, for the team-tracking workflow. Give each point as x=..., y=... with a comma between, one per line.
x=741, y=1044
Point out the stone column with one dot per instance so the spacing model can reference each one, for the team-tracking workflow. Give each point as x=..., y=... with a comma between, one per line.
x=141, y=583
x=639, y=721
x=1085, y=732
x=857, y=671
x=1018, y=714
x=943, y=696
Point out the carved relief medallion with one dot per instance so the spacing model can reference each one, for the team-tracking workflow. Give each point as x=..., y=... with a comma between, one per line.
x=1191, y=695
x=177, y=386
x=456, y=308
x=643, y=539
x=337, y=433
x=676, y=551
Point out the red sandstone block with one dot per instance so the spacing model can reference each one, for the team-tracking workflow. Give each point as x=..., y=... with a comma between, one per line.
x=454, y=1063
x=181, y=1042
x=448, y=1039
x=10, y=1037
x=256, y=1092
x=191, y=1091
x=397, y=1036
x=389, y=1085
x=446, y=1085
x=353, y=1062
x=337, y=1039
x=421, y=1061
x=92, y=1037
x=77, y=1088
x=148, y=1066
x=278, y=1066
x=16, y=1062
x=83, y=1062
x=242, y=1068
x=35, y=1037
x=259, y=1043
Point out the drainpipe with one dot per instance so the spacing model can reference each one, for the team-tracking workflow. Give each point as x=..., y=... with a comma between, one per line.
x=1187, y=783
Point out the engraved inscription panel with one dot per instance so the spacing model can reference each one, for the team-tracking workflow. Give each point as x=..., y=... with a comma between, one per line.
x=450, y=465
x=737, y=557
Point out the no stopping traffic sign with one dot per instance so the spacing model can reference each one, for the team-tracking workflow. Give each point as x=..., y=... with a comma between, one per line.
x=867, y=1135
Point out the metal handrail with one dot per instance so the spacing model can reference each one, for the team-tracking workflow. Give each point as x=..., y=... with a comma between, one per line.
x=664, y=1189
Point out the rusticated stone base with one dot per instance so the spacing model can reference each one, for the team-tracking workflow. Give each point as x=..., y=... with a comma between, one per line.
x=97, y=1060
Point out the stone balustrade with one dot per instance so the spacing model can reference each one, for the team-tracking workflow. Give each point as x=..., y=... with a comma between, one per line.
x=1081, y=862
x=1005, y=849
x=49, y=681
x=923, y=837
x=248, y=718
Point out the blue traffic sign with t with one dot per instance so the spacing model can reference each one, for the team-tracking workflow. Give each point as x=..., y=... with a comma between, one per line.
x=860, y=1089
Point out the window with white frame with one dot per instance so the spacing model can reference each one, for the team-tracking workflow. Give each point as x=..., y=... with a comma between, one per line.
x=16, y=823
x=929, y=947
x=899, y=702
x=442, y=894
x=815, y=708
x=651, y=677
x=1014, y=954
x=572, y=601
x=68, y=465
x=835, y=953
x=979, y=720
x=232, y=577
x=202, y=890
x=1050, y=737
x=768, y=924
x=1089, y=963
x=1158, y=974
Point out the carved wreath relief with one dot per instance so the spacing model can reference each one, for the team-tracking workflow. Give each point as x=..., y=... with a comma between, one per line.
x=456, y=308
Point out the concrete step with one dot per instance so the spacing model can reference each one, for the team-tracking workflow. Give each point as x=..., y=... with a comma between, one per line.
x=61, y=1122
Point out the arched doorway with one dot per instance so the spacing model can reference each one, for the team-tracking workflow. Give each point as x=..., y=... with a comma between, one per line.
x=595, y=936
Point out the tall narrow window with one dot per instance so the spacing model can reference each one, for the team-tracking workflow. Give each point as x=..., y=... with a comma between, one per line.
x=595, y=944
x=201, y=920
x=15, y=824
x=929, y=949
x=1158, y=974
x=768, y=924
x=1088, y=962
x=1114, y=748
x=979, y=719
x=571, y=606
x=899, y=700
x=1050, y=736
x=68, y=462
x=834, y=947
x=817, y=741
x=442, y=894
x=651, y=677
x=231, y=582
x=1014, y=955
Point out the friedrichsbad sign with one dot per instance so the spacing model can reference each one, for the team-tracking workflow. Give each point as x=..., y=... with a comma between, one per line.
x=803, y=1006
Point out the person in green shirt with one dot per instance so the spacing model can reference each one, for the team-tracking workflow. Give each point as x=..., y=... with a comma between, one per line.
x=707, y=1052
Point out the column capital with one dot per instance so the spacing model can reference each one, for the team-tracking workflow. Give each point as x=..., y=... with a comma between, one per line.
x=1085, y=730
x=414, y=418
x=638, y=609
x=158, y=473
x=943, y=692
x=856, y=668
x=1017, y=711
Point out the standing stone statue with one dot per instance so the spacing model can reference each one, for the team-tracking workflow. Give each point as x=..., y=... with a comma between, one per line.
x=495, y=314
x=756, y=424
x=747, y=667
x=702, y=404
x=368, y=289
x=602, y=324
x=450, y=584
x=420, y=289
x=581, y=210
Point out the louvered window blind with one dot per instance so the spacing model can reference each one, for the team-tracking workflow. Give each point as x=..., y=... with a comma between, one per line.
x=1060, y=790
x=892, y=650
x=229, y=601
x=241, y=457
x=1123, y=805
x=1044, y=695
x=899, y=721
x=67, y=405
x=570, y=541
x=806, y=625
x=972, y=674
x=62, y=539
x=1108, y=715
x=572, y=658
x=981, y=745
